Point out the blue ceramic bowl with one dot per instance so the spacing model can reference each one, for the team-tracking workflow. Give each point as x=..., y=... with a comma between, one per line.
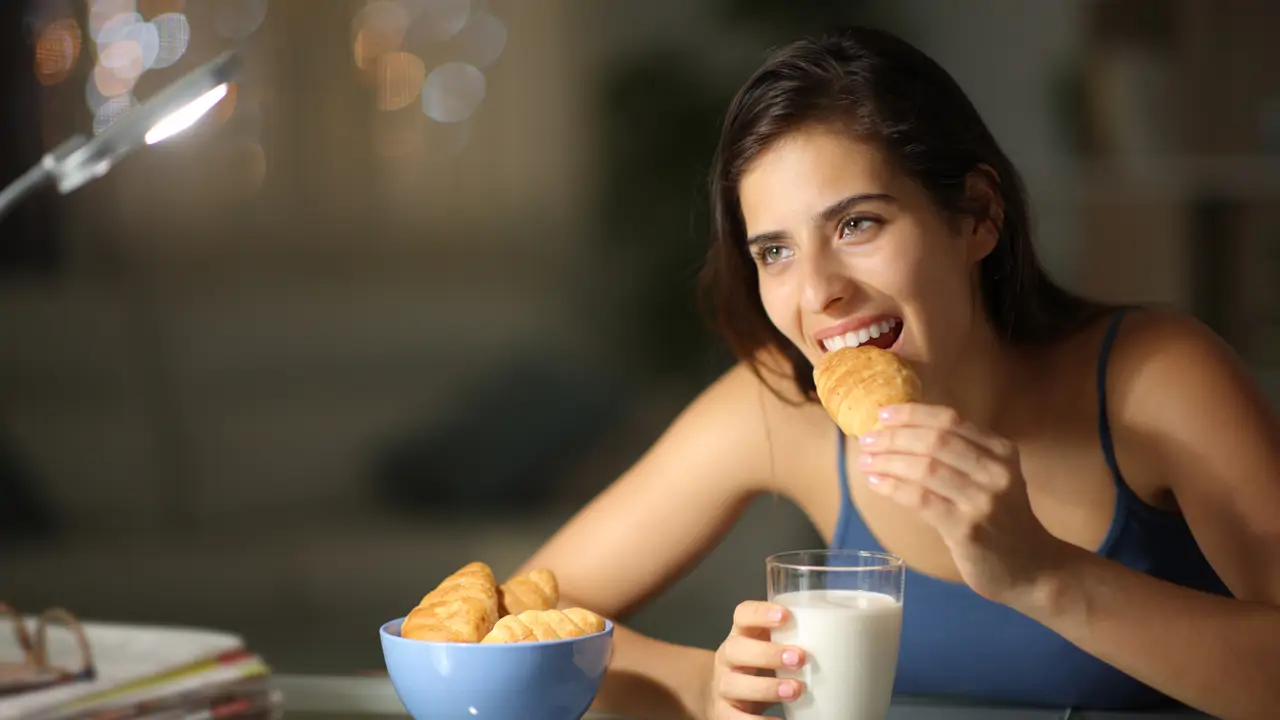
x=550, y=680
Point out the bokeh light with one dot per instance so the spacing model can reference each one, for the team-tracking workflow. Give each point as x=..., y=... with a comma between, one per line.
x=102, y=12
x=57, y=50
x=483, y=40
x=435, y=21
x=174, y=34
x=452, y=92
x=112, y=82
x=378, y=28
x=128, y=47
x=399, y=80
x=390, y=38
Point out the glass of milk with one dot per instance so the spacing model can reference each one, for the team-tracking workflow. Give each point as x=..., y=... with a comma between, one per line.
x=845, y=612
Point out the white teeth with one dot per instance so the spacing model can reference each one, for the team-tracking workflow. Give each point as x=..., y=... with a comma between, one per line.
x=854, y=338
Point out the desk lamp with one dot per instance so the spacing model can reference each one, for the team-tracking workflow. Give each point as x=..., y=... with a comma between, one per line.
x=165, y=114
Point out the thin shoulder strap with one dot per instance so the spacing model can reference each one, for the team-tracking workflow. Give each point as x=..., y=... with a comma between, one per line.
x=847, y=511
x=1104, y=425
x=842, y=464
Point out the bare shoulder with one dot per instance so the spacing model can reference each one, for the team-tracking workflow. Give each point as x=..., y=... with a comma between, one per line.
x=1173, y=386
x=1151, y=348
x=1163, y=360
x=1193, y=419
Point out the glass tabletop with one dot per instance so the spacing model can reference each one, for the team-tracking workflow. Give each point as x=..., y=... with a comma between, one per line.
x=316, y=697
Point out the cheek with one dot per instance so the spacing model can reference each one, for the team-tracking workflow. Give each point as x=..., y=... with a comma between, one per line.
x=943, y=293
x=939, y=274
x=780, y=306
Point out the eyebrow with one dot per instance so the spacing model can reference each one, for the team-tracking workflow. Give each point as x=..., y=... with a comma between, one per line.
x=825, y=216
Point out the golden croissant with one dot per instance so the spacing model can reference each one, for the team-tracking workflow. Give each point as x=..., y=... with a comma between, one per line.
x=535, y=625
x=462, y=608
x=536, y=590
x=855, y=383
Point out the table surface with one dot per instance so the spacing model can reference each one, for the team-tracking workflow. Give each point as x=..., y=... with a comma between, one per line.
x=315, y=697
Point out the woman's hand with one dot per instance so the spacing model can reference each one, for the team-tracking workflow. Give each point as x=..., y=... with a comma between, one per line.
x=967, y=484
x=742, y=681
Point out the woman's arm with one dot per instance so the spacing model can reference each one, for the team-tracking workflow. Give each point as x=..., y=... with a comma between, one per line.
x=1185, y=411
x=654, y=524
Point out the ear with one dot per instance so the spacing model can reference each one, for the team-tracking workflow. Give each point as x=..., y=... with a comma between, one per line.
x=986, y=212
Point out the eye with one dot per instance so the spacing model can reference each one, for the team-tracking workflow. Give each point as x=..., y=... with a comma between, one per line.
x=857, y=225
x=770, y=254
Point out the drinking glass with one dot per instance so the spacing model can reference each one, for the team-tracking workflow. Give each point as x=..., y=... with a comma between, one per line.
x=845, y=612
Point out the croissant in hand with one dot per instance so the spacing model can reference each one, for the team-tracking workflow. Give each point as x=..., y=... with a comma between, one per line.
x=855, y=383
x=535, y=625
x=462, y=608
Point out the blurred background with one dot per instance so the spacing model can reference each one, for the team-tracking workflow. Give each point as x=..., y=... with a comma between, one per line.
x=424, y=284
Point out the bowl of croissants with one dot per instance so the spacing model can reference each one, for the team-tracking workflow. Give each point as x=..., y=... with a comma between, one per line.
x=474, y=648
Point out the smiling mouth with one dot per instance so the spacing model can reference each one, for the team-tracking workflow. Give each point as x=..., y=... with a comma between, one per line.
x=882, y=334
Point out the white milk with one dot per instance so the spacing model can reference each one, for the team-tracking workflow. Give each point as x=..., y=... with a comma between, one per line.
x=850, y=639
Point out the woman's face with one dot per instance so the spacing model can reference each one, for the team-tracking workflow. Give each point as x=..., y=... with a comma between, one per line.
x=850, y=251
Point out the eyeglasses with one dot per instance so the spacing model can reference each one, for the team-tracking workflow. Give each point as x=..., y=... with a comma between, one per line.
x=35, y=670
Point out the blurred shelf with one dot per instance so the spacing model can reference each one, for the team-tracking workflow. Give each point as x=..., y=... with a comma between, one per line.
x=1245, y=178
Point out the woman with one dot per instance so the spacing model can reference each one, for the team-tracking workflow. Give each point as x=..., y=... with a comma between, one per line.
x=1088, y=499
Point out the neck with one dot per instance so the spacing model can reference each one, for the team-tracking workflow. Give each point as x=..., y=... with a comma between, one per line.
x=985, y=374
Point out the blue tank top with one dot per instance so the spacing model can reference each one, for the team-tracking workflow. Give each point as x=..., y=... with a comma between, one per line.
x=956, y=643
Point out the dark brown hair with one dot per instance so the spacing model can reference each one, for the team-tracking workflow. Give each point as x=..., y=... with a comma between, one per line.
x=890, y=93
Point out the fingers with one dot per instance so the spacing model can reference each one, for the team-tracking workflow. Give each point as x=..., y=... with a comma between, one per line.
x=976, y=460
x=746, y=661
x=948, y=447
x=934, y=508
x=740, y=651
x=928, y=473
x=756, y=618
x=939, y=417
x=738, y=687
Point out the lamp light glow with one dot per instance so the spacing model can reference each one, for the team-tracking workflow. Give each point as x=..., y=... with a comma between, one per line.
x=186, y=116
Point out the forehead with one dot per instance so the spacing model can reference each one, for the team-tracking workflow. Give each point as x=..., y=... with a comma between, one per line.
x=808, y=170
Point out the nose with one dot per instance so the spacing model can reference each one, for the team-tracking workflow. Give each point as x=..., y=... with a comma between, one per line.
x=825, y=284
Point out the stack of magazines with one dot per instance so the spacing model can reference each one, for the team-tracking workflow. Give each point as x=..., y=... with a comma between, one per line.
x=56, y=668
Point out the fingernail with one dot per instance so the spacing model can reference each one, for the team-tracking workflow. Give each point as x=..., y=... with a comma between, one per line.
x=886, y=413
x=786, y=690
x=873, y=479
x=866, y=460
x=868, y=439
x=791, y=658
x=775, y=614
